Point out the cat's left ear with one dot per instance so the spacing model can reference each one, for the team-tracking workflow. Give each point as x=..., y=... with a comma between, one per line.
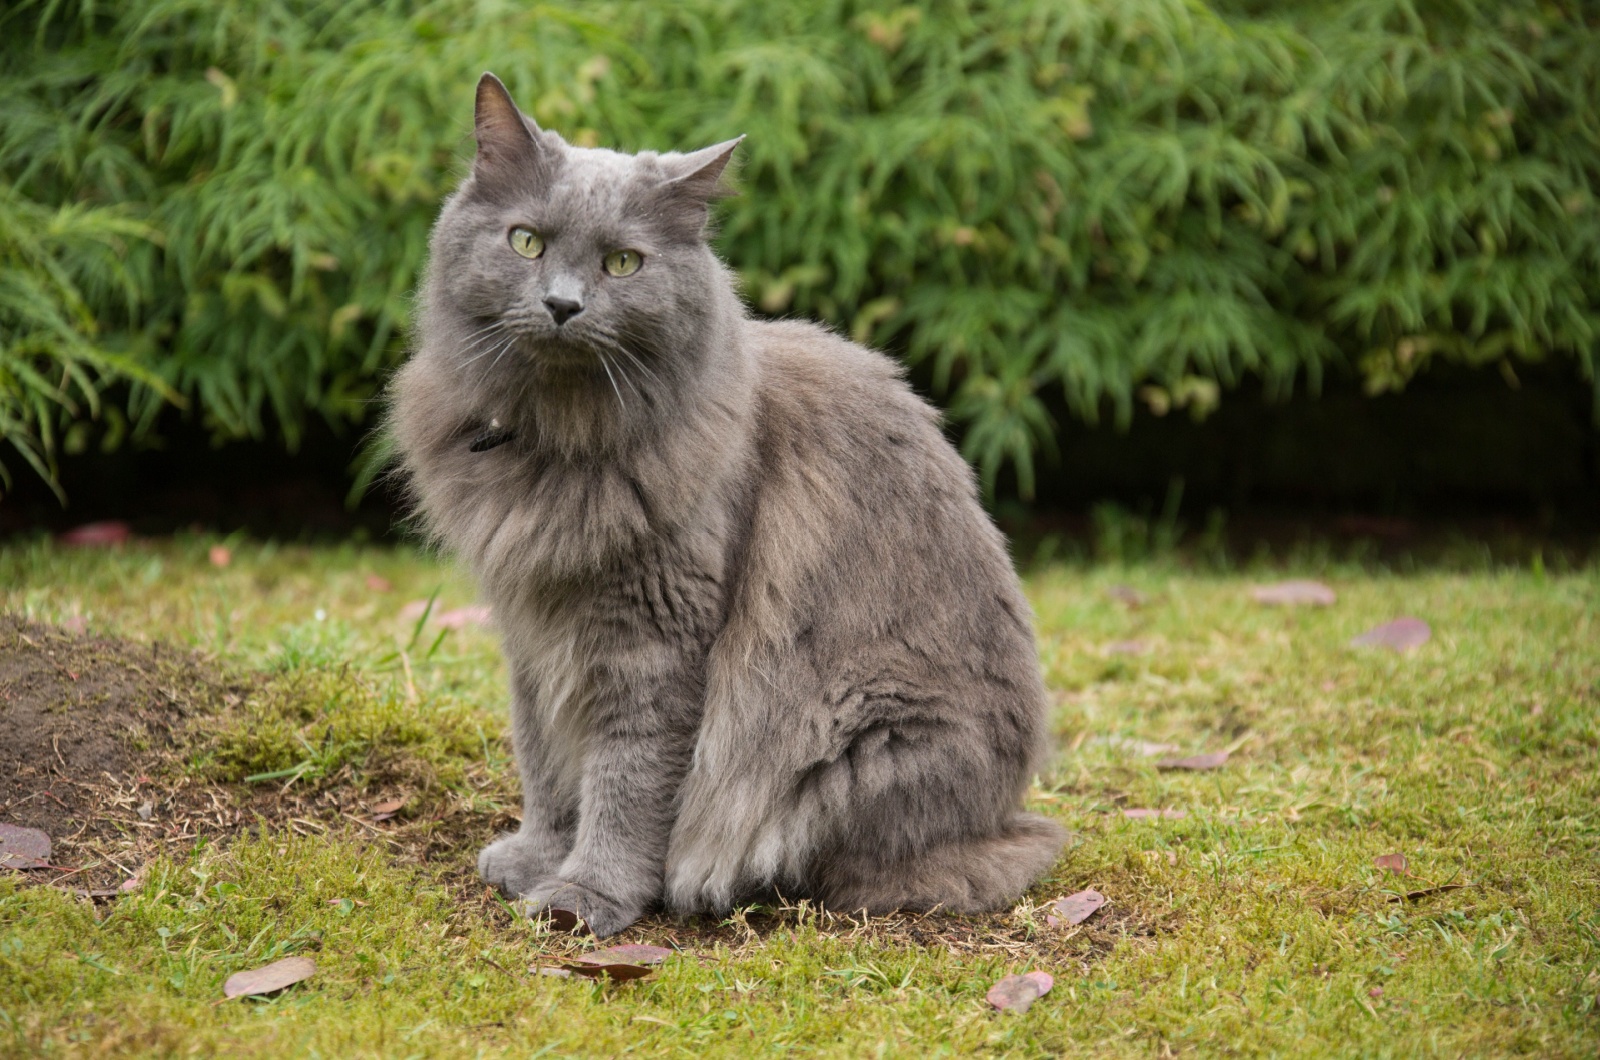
x=698, y=175
x=692, y=182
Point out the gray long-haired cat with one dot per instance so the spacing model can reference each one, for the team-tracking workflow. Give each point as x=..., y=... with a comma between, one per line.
x=761, y=635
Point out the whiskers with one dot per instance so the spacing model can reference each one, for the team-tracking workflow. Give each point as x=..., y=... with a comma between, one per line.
x=627, y=358
x=605, y=362
x=495, y=339
x=618, y=354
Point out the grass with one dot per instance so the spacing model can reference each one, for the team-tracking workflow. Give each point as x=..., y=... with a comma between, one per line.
x=1256, y=924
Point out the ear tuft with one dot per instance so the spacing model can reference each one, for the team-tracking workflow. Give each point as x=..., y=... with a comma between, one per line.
x=698, y=175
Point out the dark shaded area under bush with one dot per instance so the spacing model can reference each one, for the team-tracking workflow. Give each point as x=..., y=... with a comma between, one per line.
x=1454, y=445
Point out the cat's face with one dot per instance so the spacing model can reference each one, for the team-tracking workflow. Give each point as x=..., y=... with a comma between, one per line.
x=566, y=267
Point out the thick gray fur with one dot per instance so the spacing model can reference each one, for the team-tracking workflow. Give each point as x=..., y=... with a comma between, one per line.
x=761, y=635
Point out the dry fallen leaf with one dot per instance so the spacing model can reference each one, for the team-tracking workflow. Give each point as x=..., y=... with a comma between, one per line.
x=1076, y=908
x=1127, y=597
x=1290, y=593
x=1412, y=896
x=461, y=617
x=1395, y=863
x=1402, y=634
x=619, y=971
x=1016, y=993
x=632, y=953
x=221, y=555
x=269, y=977
x=1142, y=748
x=1210, y=761
x=386, y=809
x=619, y=962
x=98, y=535
x=378, y=583
x=1165, y=815
x=23, y=848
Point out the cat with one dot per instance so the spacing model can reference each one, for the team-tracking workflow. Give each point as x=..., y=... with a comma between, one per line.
x=762, y=637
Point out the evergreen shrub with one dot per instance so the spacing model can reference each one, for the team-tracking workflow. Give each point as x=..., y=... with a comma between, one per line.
x=224, y=205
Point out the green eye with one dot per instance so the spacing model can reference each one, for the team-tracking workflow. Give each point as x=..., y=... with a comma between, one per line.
x=623, y=262
x=527, y=242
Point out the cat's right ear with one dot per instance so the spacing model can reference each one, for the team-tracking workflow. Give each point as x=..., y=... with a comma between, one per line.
x=508, y=148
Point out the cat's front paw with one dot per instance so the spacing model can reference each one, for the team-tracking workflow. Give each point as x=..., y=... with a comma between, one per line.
x=516, y=863
x=554, y=897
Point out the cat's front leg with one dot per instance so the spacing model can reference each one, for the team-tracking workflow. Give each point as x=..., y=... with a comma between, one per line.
x=517, y=862
x=638, y=755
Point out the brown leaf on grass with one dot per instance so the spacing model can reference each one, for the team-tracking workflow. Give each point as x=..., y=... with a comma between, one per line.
x=386, y=809
x=631, y=961
x=23, y=848
x=1142, y=748
x=1165, y=815
x=97, y=535
x=269, y=977
x=632, y=953
x=618, y=963
x=1211, y=761
x=1425, y=892
x=1076, y=908
x=378, y=583
x=1295, y=592
x=1127, y=597
x=461, y=617
x=221, y=555
x=1402, y=634
x=1016, y=993
x=456, y=618
x=1395, y=863
x=619, y=971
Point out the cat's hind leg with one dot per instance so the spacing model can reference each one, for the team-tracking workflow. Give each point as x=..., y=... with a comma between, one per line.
x=961, y=876
x=917, y=812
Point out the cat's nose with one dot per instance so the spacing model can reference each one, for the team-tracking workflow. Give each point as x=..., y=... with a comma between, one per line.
x=562, y=309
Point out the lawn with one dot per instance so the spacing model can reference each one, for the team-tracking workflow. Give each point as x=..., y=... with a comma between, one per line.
x=1256, y=922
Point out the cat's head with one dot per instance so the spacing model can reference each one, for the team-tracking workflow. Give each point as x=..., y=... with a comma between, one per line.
x=575, y=270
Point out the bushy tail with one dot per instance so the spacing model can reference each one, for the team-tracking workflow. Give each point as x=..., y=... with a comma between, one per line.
x=971, y=876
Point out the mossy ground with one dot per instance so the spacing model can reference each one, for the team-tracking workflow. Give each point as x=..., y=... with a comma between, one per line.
x=1256, y=924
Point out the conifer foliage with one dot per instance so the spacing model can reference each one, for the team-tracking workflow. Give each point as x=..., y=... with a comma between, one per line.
x=225, y=205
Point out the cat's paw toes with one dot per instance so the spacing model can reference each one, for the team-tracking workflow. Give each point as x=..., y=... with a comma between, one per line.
x=516, y=864
x=566, y=904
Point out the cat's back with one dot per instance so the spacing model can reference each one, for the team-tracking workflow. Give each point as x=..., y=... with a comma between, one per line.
x=842, y=409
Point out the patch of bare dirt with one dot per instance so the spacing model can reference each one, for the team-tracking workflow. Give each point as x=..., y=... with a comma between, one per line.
x=88, y=725
x=94, y=732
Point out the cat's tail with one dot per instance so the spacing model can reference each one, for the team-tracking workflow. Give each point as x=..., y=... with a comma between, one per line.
x=968, y=876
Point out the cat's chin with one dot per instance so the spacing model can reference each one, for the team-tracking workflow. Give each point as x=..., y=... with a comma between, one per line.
x=567, y=362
